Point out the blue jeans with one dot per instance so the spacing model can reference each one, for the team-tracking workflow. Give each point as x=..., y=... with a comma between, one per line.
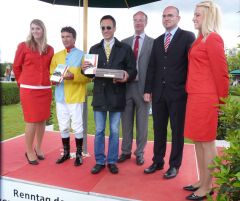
x=99, y=141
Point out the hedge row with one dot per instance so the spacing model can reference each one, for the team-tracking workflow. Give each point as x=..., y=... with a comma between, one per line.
x=10, y=92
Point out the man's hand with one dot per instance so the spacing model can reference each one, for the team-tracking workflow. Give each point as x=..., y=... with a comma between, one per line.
x=147, y=97
x=86, y=64
x=68, y=76
x=125, y=78
x=54, y=83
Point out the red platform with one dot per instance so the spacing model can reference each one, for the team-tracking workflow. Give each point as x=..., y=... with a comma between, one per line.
x=130, y=183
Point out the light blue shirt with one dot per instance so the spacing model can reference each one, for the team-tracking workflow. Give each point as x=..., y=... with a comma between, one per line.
x=172, y=33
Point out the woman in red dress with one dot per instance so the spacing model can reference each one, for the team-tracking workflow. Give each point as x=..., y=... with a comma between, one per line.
x=207, y=82
x=31, y=69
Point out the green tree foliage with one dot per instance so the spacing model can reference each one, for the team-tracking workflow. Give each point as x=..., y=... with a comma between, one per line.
x=233, y=59
x=229, y=117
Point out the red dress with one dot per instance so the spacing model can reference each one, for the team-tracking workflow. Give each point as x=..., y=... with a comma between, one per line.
x=32, y=69
x=207, y=81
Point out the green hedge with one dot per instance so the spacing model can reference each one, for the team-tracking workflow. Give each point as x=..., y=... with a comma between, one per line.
x=10, y=93
x=235, y=90
x=226, y=166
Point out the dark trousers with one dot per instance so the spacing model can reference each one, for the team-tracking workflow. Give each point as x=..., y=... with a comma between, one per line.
x=162, y=111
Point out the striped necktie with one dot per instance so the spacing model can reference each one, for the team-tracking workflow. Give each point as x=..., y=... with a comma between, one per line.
x=107, y=50
x=167, y=41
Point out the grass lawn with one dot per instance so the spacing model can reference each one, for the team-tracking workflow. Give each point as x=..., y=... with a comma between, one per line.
x=12, y=121
x=13, y=124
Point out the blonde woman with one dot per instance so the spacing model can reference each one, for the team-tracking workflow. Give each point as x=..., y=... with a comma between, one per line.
x=207, y=82
x=31, y=69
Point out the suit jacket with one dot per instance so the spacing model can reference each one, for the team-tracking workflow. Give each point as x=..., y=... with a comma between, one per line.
x=208, y=72
x=143, y=59
x=108, y=96
x=168, y=70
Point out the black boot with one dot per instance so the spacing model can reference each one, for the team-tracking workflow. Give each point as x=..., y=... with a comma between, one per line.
x=66, y=148
x=78, y=160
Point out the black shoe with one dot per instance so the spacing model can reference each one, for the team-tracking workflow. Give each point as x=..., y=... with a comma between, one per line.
x=63, y=158
x=171, y=173
x=113, y=168
x=190, y=188
x=152, y=168
x=123, y=157
x=34, y=162
x=196, y=197
x=140, y=160
x=78, y=161
x=40, y=157
x=97, y=168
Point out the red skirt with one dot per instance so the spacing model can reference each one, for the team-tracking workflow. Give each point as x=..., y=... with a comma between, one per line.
x=201, y=117
x=36, y=104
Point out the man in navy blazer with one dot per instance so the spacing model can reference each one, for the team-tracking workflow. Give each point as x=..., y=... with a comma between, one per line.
x=165, y=86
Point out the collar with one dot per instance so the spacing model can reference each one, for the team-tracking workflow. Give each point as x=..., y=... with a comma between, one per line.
x=69, y=49
x=142, y=35
x=172, y=31
x=111, y=42
x=116, y=43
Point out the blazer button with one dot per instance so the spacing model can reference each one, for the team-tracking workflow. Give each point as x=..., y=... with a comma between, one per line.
x=164, y=67
x=164, y=82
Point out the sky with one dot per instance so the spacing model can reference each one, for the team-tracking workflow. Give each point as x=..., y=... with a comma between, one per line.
x=16, y=15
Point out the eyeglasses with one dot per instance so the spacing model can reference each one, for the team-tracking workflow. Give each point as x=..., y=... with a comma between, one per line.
x=107, y=27
x=138, y=20
x=169, y=16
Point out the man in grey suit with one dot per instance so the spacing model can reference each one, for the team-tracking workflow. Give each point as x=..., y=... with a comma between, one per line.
x=142, y=46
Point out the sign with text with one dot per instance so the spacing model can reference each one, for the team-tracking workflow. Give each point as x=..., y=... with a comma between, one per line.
x=20, y=190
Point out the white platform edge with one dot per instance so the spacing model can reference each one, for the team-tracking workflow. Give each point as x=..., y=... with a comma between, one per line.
x=8, y=185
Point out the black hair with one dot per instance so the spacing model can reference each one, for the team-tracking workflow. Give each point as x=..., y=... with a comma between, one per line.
x=69, y=30
x=109, y=17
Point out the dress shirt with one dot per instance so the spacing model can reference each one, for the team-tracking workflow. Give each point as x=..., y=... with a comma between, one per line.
x=141, y=39
x=172, y=34
x=111, y=43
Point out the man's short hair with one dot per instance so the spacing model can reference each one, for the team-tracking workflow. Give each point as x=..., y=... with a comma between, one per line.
x=108, y=17
x=69, y=30
x=141, y=12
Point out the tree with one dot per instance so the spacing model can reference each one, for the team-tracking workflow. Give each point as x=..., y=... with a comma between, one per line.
x=233, y=58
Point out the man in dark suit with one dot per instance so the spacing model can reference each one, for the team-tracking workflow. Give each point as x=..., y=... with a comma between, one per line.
x=165, y=85
x=135, y=104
